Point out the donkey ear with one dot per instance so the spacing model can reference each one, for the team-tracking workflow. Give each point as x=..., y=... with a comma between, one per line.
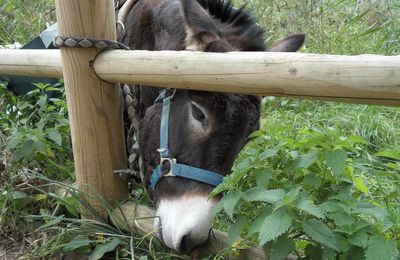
x=201, y=31
x=290, y=44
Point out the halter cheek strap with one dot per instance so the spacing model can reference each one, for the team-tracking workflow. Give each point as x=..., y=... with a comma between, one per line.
x=177, y=169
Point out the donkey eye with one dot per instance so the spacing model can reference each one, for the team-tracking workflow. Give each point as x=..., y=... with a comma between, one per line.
x=197, y=113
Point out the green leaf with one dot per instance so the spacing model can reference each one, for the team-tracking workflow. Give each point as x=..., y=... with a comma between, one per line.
x=391, y=153
x=379, y=248
x=20, y=199
x=19, y=195
x=245, y=165
x=341, y=218
x=366, y=208
x=282, y=247
x=229, y=201
x=13, y=141
x=356, y=253
x=348, y=173
x=311, y=181
x=342, y=243
x=360, y=185
x=21, y=105
x=260, y=194
x=26, y=151
x=55, y=136
x=71, y=203
x=394, y=166
x=229, y=181
x=313, y=252
x=258, y=222
x=78, y=243
x=263, y=176
x=42, y=101
x=39, y=197
x=336, y=160
x=309, y=207
x=52, y=222
x=101, y=249
x=293, y=194
x=236, y=229
x=268, y=153
x=320, y=233
x=329, y=206
x=392, y=219
x=217, y=208
x=256, y=134
x=359, y=238
x=305, y=160
x=274, y=225
x=355, y=139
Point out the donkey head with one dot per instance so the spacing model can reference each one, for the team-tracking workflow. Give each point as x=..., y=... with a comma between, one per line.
x=206, y=130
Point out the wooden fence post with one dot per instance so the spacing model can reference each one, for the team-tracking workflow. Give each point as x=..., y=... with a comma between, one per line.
x=94, y=106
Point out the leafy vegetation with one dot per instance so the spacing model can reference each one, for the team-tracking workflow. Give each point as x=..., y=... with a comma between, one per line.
x=39, y=202
x=320, y=180
x=315, y=185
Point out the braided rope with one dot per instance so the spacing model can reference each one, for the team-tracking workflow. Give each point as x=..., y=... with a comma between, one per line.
x=131, y=94
x=80, y=42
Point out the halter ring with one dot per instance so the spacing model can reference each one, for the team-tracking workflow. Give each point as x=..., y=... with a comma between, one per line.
x=171, y=161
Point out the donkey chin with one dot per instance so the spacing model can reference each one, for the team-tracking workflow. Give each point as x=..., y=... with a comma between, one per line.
x=184, y=223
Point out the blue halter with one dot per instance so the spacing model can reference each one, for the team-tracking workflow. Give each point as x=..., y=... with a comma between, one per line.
x=177, y=169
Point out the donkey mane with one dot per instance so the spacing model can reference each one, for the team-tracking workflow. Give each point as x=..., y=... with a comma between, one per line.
x=226, y=13
x=240, y=21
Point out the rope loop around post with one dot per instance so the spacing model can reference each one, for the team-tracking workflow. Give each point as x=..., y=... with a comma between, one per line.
x=81, y=42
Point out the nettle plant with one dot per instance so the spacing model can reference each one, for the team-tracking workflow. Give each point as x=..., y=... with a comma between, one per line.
x=308, y=196
x=38, y=129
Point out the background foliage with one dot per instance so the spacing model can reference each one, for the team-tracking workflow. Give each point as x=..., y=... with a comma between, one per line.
x=320, y=180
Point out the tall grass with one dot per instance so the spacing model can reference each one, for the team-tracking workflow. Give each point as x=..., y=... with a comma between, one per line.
x=378, y=125
x=334, y=26
x=22, y=20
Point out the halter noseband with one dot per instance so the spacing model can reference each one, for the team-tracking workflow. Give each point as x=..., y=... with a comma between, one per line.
x=177, y=169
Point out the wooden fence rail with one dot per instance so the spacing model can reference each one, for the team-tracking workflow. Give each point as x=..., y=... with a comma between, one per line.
x=369, y=79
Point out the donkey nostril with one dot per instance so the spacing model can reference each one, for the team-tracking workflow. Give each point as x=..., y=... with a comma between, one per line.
x=186, y=244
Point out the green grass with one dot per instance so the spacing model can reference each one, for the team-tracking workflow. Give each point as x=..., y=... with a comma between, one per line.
x=347, y=27
x=378, y=125
x=22, y=20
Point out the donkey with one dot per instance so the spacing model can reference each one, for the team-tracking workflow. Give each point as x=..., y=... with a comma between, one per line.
x=206, y=130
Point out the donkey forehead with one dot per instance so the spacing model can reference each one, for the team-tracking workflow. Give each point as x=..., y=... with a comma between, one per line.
x=223, y=102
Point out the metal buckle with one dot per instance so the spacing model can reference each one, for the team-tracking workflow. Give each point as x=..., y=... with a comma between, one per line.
x=171, y=162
